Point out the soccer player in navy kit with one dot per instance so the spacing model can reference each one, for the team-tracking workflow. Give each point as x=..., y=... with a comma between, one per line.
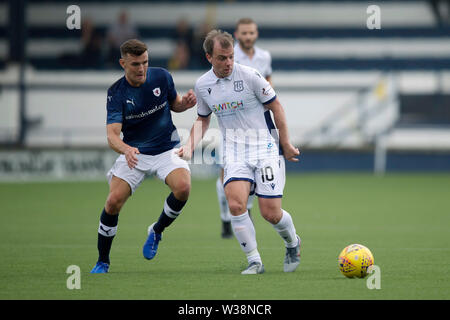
x=139, y=105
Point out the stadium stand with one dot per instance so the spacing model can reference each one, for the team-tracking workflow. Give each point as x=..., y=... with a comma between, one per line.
x=301, y=35
x=323, y=55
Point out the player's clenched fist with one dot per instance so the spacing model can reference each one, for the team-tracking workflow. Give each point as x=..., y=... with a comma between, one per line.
x=184, y=152
x=290, y=152
x=189, y=100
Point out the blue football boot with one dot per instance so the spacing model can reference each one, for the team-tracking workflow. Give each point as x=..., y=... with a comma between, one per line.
x=100, y=267
x=151, y=245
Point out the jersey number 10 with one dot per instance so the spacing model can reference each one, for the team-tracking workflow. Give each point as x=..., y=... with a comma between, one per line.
x=267, y=174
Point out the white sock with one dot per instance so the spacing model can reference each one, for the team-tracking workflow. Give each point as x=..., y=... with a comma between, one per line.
x=225, y=214
x=253, y=256
x=286, y=229
x=245, y=233
x=250, y=201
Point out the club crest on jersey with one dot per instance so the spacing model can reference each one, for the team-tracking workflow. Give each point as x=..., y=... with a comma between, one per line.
x=157, y=92
x=239, y=85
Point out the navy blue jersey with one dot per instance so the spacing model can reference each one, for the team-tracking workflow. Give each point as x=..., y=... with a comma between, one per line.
x=144, y=112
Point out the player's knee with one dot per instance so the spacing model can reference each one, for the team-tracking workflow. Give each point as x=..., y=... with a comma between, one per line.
x=271, y=214
x=182, y=189
x=114, y=202
x=237, y=207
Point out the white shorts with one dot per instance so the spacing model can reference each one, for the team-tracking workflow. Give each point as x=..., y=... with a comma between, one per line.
x=161, y=164
x=268, y=175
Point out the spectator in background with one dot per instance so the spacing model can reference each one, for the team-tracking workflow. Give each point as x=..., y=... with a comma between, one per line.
x=198, y=60
x=183, y=37
x=180, y=58
x=92, y=44
x=119, y=32
x=91, y=49
x=183, y=32
x=441, y=11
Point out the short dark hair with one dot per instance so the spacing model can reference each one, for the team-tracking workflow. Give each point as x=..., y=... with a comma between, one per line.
x=134, y=47
x=225, y=39
x=244, y=21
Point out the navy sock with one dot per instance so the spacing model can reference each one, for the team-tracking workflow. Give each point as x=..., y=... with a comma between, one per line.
x=172, y=208
x=106, y=232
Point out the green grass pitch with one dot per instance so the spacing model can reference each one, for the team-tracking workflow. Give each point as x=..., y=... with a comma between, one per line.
x=403, y=218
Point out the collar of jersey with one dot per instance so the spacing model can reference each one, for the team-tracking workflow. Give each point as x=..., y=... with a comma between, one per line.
x=230, y=77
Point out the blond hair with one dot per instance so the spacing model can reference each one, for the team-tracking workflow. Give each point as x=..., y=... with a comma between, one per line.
x=225, y=39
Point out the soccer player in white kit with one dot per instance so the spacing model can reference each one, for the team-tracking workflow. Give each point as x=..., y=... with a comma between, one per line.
x=246, y=53
x=242, y=100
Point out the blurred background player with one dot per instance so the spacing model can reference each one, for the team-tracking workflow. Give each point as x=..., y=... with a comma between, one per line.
x=246, y=53
x=139, y=105
x=242, y=99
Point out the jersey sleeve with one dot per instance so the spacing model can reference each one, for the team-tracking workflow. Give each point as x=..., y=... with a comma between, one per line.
x=202, y=108
x=262, y=88
x=114, y=109
x=172, y=93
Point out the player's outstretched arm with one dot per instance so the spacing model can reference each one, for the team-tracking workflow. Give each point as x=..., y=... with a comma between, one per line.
x=182, y=103
x=115, y=142
x=198, y=130
x=290, y=152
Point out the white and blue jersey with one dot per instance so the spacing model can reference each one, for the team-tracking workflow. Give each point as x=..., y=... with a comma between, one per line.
x=144, y=112
x=238, y=101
